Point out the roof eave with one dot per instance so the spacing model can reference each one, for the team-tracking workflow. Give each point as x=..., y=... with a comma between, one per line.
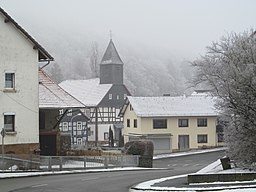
x=43, y=55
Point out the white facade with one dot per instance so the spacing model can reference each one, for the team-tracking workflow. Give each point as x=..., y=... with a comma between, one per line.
x=19, y=57
x=19, y=111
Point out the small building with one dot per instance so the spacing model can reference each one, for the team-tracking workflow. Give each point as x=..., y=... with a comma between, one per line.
x=20, y=55
x=172, y=123
x=103, y=97
x=75, y=124
x=53, y=98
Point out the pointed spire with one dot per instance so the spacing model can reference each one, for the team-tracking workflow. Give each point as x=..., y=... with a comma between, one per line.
x=111, y=55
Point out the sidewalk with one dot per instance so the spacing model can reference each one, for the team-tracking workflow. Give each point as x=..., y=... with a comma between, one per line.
x=179, y=182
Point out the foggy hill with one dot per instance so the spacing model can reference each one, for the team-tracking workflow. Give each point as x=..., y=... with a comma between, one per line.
x=146, y=72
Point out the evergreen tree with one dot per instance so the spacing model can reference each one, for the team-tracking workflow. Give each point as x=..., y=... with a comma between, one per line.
x=111, y=138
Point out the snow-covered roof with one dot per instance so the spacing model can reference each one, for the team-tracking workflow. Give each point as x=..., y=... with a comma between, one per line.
x=53, y=96
x=89, y=92
x=173, y=106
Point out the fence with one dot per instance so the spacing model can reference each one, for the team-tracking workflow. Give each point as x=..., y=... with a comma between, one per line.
x=17, y=163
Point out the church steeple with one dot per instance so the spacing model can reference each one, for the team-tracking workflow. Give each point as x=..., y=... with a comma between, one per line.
x=111, y=66
x=111, y=55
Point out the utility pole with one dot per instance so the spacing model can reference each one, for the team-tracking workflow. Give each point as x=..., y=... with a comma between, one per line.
x=96, y=126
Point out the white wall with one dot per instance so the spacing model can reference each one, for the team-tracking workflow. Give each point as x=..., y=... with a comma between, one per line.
x=17, y=55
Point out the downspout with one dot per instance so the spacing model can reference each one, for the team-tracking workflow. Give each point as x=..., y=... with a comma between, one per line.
x=48, y=62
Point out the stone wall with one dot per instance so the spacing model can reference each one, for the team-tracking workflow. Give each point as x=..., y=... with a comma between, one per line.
x=208, y=178
x=27, y=148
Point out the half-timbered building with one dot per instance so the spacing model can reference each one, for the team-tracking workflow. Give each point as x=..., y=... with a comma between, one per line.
x=102, y=96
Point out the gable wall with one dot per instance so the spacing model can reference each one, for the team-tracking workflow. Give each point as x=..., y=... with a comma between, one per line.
x=17, y=55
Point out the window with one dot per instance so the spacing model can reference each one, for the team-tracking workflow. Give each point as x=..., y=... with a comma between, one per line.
x=9, y=80
x=183, y=122
x=202, y=139
x=125, y=95
x=202, y=122
x=61, y=111
x=135, y=123
x=131, y=109
x=65, y=126
x=79, y=125
x=79, y=141
x=69, y=112
x=110, y=96
x=117, y=97
x=128, y=123
x=9, y=123
x=105, y=135
x=159, y=123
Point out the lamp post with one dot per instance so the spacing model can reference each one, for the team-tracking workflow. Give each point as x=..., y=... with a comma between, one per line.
x=79, y=114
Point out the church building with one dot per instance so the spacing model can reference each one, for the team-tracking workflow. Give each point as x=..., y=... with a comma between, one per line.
x=103, y=98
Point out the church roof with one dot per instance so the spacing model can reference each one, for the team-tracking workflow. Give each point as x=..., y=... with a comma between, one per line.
x=52, y=96
x=111, y=55
x=89, y=92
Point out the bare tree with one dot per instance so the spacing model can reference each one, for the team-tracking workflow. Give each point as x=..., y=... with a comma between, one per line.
x=229, y=68
x=94, y=60
x=56, y=73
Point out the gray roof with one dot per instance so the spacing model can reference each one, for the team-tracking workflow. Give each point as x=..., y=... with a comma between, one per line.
x=111, y=55
x=43, y=55
x=52, y=96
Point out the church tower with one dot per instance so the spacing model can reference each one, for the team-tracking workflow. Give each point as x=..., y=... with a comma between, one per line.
x=111, y=66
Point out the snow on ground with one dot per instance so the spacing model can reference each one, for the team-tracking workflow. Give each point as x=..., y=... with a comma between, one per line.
x=30, y=174
x=188, y=153
x=148, y=185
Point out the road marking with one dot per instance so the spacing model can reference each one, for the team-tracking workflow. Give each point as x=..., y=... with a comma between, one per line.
x=41, y=185
x=88, y=179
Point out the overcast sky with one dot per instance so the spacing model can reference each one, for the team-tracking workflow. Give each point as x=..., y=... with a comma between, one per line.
x=180, y=27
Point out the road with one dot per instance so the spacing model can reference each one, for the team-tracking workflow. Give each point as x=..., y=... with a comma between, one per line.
x=119, y=181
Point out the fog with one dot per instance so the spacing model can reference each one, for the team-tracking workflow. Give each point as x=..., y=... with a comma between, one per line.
x=145, y=32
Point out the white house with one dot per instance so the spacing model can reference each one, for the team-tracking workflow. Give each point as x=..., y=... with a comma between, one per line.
x=172, y=123
x=19, y=110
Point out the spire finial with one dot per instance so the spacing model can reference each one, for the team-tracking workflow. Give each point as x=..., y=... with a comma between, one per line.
x=110, y=34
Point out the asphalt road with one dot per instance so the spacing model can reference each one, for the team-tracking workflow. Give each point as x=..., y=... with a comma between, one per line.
x=119, y=181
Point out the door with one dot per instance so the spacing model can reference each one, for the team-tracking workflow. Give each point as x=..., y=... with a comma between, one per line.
x=183, y=142
x=48, y=145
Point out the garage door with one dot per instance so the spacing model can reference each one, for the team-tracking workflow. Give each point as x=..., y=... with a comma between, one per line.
x=161, y=143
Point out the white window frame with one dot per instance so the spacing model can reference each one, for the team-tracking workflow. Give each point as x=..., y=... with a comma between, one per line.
x=65, y=126
x=79, y=125
x=61, y=111
x=11, y=82
x=9, y=127
x=79, y=141
x=110, y=96
x=106, y=136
